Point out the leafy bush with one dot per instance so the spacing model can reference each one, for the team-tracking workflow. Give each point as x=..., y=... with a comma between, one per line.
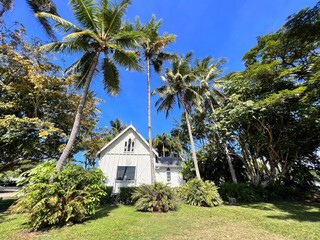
x=155, y=198
x=125, y=195
x=178, y=192
x=199, y=193
x=107, y=199
x=243, y=192
x=71, y=196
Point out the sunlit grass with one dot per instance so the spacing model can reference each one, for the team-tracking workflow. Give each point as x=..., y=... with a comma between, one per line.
x=250, y=221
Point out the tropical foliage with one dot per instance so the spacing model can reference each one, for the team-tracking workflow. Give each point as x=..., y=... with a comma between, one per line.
x=155, y=198
x=272, y=112
x=201, y=193
x=35, y=6
x=97, y=138
x=266, y=117
x=100, y=30
x=167, y=145
x=72, y=196
x=36, y=104
x=153, y=54
x=180, y=88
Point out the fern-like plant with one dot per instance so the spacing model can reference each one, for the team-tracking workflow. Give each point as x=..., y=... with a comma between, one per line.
x=71, y=197
x=201, y=193
x=155, y=198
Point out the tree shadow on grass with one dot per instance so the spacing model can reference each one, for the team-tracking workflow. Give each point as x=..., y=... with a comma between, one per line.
x=103, y=211
x=303, y=212
x=258, y=206
x=5, y=204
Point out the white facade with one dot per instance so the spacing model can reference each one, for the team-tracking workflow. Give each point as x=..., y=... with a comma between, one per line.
x=125, y=162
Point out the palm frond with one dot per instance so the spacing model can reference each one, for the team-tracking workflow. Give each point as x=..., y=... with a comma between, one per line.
x=111, y=79
x=128, y=39
x=47, y=6
x=166, y=103
x=128, y=59
x=68, y=47
x=85, y=12
x=161, y=58
x=60, y=23
x=112, y=17
x=81, y=68
x=78, y=66
x=84, y=33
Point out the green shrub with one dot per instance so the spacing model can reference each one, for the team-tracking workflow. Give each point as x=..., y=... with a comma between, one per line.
x=278, y=192
x=125, y=195
x=70, y=197
x=107, y=199
x=243, y=192
x=178, y=192
x=155, y=198
x=199, y=193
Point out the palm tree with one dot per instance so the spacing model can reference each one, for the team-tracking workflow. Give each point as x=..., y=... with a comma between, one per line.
x=6, y=5
x=152, y=49
x=116, y=127
x=101, y=31
x=167, y=145
x=180, y=88
x=35, y=6
x=207, y=72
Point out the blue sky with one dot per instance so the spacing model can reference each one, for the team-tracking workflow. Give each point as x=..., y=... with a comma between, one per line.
x=206, y=27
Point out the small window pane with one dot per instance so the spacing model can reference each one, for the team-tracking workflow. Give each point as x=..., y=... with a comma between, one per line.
x=168, y=175
x=125, y=146
x=132, y=146
x=126, y=173
x=129, y=144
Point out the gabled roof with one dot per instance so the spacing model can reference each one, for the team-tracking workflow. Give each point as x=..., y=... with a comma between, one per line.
x=122, y=133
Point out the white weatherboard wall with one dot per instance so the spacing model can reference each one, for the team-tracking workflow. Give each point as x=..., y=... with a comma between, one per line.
x=114, y=156
x=176, y=176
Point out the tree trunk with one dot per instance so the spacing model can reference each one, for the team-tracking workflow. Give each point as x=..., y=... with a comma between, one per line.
x=77, y=121
x=193, y=150
x=153, y=172
x=226, y=150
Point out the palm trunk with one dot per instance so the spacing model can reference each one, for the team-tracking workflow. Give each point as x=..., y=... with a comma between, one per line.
x=77, y=121
x=226, y=150
x=193, y=150
x=153, y=173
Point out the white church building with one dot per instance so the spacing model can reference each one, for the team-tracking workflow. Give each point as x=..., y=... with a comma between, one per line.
x=125, y=162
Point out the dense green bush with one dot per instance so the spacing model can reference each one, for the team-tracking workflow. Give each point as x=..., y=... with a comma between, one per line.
x=243, y=192
x=71, y=196
x=199, y=193
x=107, y=199
x=125, y=195
x=155, y=198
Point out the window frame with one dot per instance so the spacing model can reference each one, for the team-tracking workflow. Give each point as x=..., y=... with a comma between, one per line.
x=124, y=172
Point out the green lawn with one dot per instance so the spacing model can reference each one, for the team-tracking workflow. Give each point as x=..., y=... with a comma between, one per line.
x=249, y=221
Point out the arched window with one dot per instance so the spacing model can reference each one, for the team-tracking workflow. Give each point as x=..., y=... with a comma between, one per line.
x=125, y=146
x=168, y=175
x=132, y=146
x=129, y=144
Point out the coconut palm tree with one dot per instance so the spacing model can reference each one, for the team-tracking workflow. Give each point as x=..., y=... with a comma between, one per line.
x=100, y=31
x=153, y=56
x=116, y=127
x=167, y=145
x=35, y=6
x=207, y=72
x=6, y=5
x=180, y=88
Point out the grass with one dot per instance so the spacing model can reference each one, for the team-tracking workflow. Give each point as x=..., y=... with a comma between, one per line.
x=247, y=221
